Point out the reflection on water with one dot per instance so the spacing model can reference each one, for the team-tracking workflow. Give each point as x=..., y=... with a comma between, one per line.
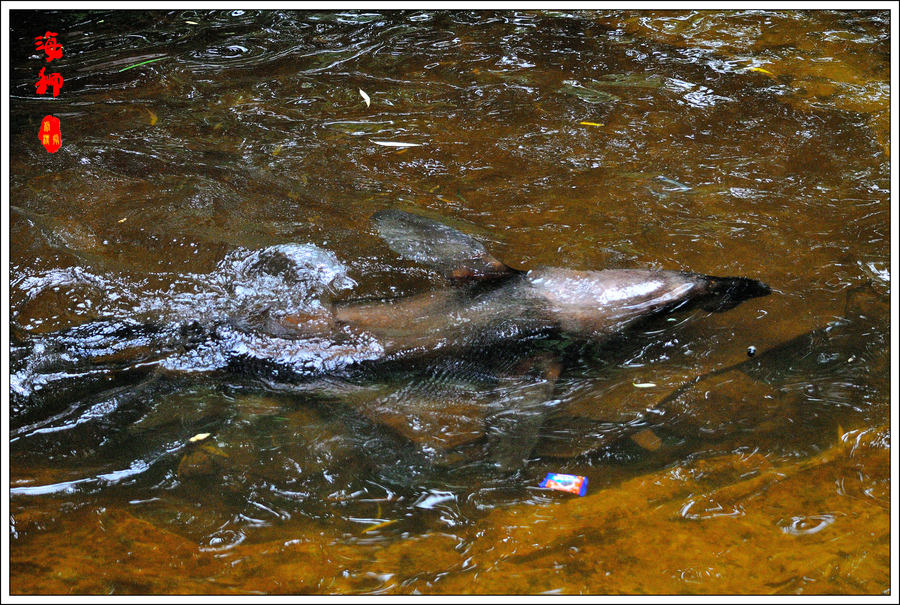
x=223, y=194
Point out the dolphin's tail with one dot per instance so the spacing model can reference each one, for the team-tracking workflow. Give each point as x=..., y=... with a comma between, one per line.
x=727, y=292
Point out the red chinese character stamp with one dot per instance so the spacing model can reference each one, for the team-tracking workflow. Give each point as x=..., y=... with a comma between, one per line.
x=50, y=135
x=54, y=80
x=49, y=45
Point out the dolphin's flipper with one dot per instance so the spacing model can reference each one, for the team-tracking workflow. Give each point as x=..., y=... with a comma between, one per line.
x=514, y=432
x=433, y=244
x=462, y=411
x=440, y=407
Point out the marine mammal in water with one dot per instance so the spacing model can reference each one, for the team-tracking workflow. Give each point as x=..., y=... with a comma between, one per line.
x=491, y=319
x=493, y=302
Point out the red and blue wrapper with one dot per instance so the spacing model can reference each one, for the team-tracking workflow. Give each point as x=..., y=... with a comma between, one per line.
x=574, y=484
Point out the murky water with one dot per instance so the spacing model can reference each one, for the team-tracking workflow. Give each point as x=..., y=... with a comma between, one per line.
x=222, y=194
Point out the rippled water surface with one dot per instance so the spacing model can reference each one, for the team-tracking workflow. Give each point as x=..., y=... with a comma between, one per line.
x=180, y=421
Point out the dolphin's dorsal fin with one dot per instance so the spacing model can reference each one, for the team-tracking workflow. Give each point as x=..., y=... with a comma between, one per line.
x=436, y=245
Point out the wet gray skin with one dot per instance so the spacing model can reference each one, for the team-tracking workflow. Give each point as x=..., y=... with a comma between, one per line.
x=492, y=318
x=514, y=304
x=517, y=305
x=583, y=304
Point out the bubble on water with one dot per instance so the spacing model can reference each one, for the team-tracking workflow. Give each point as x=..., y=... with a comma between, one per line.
x=286, y=278
x=289, y=264
x=234, y=300
x=296, y=356
x=806, y=524
x=223, y=539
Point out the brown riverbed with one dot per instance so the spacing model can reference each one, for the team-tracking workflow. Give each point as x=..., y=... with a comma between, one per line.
x=752, y=143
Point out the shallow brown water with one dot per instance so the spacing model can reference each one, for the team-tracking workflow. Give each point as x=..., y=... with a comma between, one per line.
x=751, y=143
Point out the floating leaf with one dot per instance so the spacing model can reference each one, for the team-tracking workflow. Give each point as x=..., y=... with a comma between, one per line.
x=379, y=525
x=199, y=437
x=674, y=185
x=192, y=23
x=647, y=439
x=644, y=385
x=122, y=220
x=396, y=144
x=590, y=124
x=142, y=63
x=761, y=70
x=365, y=97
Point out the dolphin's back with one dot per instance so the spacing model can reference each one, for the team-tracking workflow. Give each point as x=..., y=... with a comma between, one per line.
x=450, y=319
x=584, y=303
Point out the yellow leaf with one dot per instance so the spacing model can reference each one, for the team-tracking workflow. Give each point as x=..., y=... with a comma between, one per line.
x=198, y=437
x=644, y=385
x=647, y=439
x=590, y=124
x=153, y=117
x=122, y=220
x=761, y=70
x=379, y=525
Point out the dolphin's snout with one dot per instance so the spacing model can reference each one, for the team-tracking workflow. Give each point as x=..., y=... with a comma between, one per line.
x=728, y=292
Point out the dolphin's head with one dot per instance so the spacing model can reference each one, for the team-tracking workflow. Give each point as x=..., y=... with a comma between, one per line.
x=599, y=303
